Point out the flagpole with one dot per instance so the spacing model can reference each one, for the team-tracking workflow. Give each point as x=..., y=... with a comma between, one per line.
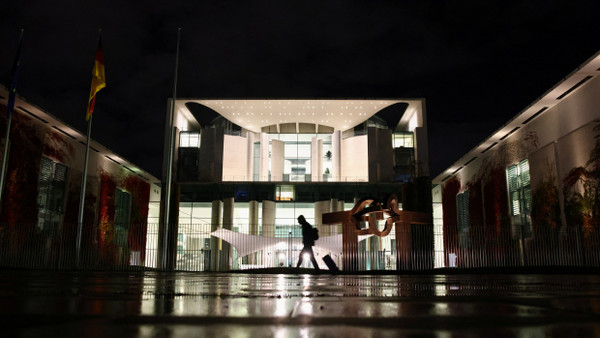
x=84, y=179
x=9, y=111
x=82, y=195
x=5, y=156
x=170, y=163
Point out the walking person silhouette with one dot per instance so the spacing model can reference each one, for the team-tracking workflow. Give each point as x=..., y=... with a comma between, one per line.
x=309, y=236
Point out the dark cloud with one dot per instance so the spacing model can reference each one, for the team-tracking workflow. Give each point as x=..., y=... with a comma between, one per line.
x=477, y=63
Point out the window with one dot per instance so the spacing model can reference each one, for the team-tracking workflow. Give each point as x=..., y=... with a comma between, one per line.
x=464, y=224
x=403, y=139
x=462, y=208
x=284, y=193
x=519, y=192
x=298, y=155
x=286, y=218
x=189, y=139
x=51, y=195
x=122, y=214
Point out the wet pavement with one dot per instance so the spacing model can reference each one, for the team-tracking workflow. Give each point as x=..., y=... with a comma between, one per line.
x=186, y=304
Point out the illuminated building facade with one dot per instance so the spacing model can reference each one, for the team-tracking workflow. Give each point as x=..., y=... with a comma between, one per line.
x=254, y=166
x=528, y=195
x=40, y=204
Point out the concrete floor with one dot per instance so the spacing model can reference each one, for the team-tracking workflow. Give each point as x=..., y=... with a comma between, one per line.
x=130, y=304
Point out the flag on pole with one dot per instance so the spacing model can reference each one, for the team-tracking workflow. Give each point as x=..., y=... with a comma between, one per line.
x=98, y=80
x=14, y=74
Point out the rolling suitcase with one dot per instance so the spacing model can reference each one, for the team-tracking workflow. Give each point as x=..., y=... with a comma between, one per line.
x=330, y=263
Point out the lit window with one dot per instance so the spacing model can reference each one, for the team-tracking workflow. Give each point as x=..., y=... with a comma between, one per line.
x=464, y=224
x=519, y=188
x=122, y=217
x=519, y=192
x=188, y=139
x=284, y=193
x=51, y=195
x=403, y=139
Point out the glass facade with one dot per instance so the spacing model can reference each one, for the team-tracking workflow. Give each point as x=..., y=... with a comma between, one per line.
x=403, y=139
x=519, y=191
x=464, y=225
x=194, y=238
x=298, y=155
x=122, y=216
x=51, y=196
x=286, y=169
x=188, y=139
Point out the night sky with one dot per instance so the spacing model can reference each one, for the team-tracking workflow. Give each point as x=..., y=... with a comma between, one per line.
x=477, y=63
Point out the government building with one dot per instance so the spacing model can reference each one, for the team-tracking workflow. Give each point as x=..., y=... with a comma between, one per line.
x=529, y=194
x=244, y=170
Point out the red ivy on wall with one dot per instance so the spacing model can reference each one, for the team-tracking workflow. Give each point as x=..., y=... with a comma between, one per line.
x=19, y=202
x=140, y=195
x=110, y=253
x=106, y=218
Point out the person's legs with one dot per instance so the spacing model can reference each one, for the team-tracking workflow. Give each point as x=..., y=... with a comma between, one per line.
x=300, y=259
x=312, y=258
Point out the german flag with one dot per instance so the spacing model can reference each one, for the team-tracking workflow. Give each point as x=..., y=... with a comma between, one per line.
x=14, y=74
x=98, y=80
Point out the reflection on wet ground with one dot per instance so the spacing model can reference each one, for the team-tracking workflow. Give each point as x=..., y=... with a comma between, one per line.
x=51, y=303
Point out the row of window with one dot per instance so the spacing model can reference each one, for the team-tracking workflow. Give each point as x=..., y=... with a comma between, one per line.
x=519, y=196
x=51, y=201
x=191, y=139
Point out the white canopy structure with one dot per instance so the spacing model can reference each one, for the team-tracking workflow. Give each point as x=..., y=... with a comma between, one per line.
x=246, y=244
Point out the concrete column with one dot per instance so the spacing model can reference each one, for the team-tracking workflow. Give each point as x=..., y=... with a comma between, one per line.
x=322, y=207
x=336, y=152
x=215, y=243
x=268, y=218
x=226, y=256
x=335, y=206
x=264, y=157
x=253, y=226
x=250, y=159
x=316, y=160
x=277, y=160
x=374, y=242
x=268, y=229
x=350, y=258
x=320, y=159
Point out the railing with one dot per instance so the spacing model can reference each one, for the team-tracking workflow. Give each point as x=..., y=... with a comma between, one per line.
x=296, y=178
x=133, y=248
x=507, y=247
x=102, y=247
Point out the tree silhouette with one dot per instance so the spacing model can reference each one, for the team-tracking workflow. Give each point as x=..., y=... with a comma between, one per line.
x=582, y=192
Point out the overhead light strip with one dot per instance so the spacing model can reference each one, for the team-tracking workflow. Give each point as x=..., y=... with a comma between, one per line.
x=64, y=132
x=535, y=115
x=32, y=114
x=457, y=170
x=126, y=167
x=490, y=147
x=574, y=87
x=471, y=160
x=108, y=157
x=94, y=149
x=509, y=133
